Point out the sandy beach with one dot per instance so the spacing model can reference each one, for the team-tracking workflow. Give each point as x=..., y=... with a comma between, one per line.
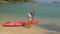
x=22, y=29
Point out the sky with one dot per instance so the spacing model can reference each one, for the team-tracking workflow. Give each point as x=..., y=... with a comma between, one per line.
x=46, y=0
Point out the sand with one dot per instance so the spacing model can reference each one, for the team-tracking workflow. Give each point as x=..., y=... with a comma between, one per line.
x=24, y=30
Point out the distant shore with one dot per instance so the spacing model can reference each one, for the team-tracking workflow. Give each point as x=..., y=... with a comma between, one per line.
x=13, y=2
x=4, y=2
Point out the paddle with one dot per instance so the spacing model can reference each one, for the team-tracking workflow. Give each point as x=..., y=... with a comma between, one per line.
x=35, y=7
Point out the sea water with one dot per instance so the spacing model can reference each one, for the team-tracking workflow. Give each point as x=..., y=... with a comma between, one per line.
x=48, y=13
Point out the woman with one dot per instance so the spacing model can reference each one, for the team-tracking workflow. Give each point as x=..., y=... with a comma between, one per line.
x=29, y=19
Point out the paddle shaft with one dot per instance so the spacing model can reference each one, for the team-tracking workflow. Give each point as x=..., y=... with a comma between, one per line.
x=35, y=7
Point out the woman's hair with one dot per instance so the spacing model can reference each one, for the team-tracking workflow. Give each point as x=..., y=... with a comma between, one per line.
x=30, y=12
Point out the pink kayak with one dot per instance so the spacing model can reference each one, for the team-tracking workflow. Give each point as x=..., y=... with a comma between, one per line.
x=19, y=23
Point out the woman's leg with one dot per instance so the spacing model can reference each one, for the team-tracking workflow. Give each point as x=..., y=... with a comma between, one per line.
x=30, y=23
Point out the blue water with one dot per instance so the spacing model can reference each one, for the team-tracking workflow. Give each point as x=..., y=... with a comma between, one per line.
x=44, y=9
x=48, y=13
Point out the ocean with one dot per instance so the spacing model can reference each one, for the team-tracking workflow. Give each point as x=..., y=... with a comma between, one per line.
x=48, y=13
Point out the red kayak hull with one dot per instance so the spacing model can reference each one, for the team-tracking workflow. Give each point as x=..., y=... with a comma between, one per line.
x=12, y=24
x=19, y=23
